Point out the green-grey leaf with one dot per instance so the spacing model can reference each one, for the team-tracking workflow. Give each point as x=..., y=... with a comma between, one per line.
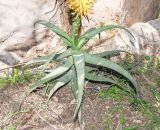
x=56, y=53
x=89, y=31
x=37, y=61
x=80, y=71
x=99, y=78
x=57, y=30
x=96, y=60
x=60, y=82
x=65, y=54
x=44, y=59
x=87, y=36
x=89, y=69
x=46, y=89
x=74, y=82
x=54, y=74
x=109, y=53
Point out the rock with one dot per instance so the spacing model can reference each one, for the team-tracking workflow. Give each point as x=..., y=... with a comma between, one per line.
x=147, y=39
x=135, y=11
x=9, y=58
x=124, y=12
x=17, y=31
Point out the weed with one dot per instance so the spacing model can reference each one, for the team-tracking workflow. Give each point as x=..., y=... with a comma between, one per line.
x=158, y=63
x=148, y=109
x=12, y=128
x=158, y=81
x=16, y=77
x=122, y=118
x=128, y=62
x=93, y=126
x=113, y=92
x=117, y=93
x=108, y=122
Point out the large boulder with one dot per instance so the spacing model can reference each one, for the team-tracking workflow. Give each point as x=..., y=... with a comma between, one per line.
x=124, y=12
x=17, y=31
x=146, y=39
x=140, y=10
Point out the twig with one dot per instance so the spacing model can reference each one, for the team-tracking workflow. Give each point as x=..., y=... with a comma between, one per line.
x=13, y=66
x=53, y=8
x=58, y=6
x=58, y=116
x=4, y=121
x=43, y=119
x=2, y=40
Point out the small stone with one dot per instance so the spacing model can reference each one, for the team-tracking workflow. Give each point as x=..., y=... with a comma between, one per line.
x=137, y=121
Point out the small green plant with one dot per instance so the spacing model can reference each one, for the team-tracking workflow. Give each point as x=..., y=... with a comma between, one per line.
x=77, y=65
x=92, y=126
x=118, y=92
x=12, y=128
x=158, y=65
x=17, y=76
x=158, y=81
x=109, y=121
x=115, y=92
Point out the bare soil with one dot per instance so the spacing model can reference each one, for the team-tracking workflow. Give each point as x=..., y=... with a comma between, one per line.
x=97, y=113
x=34, y=114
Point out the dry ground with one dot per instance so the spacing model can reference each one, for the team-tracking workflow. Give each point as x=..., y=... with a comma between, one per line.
x=104, y=109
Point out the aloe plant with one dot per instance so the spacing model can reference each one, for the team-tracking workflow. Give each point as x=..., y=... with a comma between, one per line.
x=76, y=65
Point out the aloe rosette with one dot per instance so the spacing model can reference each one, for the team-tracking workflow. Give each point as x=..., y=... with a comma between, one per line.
x=77, y=66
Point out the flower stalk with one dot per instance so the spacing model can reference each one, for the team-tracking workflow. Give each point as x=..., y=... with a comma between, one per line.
x=76, y=29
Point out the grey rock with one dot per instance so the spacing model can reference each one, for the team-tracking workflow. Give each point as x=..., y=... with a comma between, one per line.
x=135, y=11
x=9, y=57
x=147, y=38
x=17, y=30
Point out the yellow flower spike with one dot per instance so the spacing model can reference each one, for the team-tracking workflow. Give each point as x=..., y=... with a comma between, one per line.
x=81, y=7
